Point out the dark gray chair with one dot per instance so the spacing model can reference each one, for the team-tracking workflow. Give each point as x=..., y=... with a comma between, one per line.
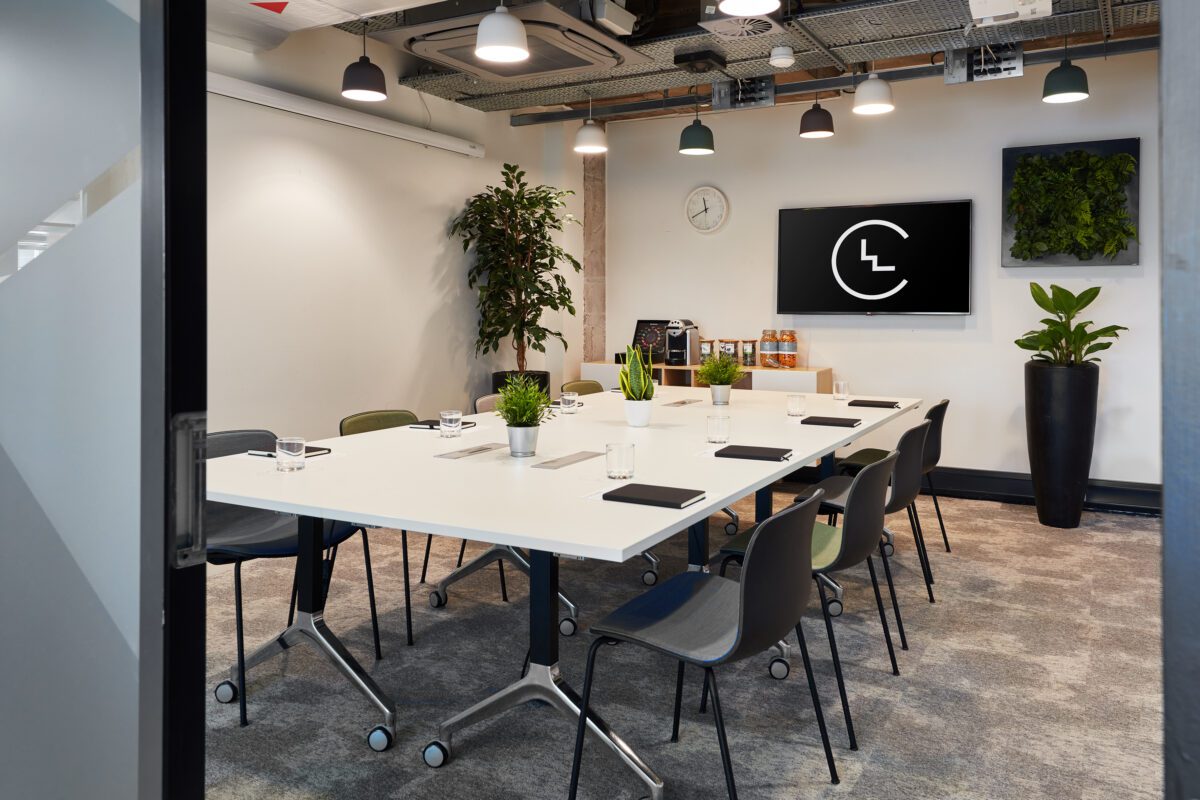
x=708, y=621
x=236, y=534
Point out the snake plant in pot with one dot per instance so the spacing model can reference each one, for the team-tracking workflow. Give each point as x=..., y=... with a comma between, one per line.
x=719, y=374
x=1062, y=382
x=638, y=387
x=523, y=405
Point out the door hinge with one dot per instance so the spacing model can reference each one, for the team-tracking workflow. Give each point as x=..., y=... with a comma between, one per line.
x=185, y=493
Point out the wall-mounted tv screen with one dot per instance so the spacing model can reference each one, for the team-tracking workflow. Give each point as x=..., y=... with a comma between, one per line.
x=905, y=258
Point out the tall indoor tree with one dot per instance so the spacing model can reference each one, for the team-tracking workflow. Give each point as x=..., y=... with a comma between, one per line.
x=517, y=262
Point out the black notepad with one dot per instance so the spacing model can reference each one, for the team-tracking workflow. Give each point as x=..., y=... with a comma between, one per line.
x=874, y=403
x=754, y=453
x=309, y=452
x=436, y=424
x=835, y=422
x=647, y=494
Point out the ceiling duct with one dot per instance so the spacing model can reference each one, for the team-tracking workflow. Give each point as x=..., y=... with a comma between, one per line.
x=736, y=27
x=560, y=43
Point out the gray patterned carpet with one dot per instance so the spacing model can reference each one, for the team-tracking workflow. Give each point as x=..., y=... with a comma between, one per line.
x=1036, y=675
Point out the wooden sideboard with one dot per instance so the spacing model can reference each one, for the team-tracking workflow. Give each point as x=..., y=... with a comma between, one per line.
x=801, y=379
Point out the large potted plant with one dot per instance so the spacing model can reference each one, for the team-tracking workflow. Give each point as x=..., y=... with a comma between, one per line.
x=637, y=385
x=516, y=264
x=1062, y=380
x=719, y=374
x=523, y=405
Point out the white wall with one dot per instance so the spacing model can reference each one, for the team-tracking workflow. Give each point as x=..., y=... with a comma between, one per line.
x=333, y=287
x=941, y=143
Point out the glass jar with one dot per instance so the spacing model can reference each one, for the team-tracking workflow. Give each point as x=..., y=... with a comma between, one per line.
x=787, y=348
x=749, y=352
x=768, y=349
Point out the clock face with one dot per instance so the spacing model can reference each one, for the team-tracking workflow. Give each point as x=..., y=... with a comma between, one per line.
x=706, y=209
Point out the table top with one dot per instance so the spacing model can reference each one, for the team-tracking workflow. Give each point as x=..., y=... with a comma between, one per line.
x=391, y=478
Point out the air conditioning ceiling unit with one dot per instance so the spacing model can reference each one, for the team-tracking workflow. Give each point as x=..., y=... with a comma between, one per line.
x=998, y=12
x=560, y=43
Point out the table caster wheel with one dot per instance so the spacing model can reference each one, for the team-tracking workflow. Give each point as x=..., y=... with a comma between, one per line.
x=834, y=607
x=779, y=668
x=731, y=528
x=568, y=626
x=889, y=549
x=226, y=692
x=379, y=739
x=437, y=599
x=436, y=754
x=649, y=577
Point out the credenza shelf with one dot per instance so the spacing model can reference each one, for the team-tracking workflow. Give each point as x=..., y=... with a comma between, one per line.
x=801, y=379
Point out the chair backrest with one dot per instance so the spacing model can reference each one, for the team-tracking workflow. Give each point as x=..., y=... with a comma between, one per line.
x=862, y=519
x=228, y=443
x=367, y=421
x=907, y=472
x=222, y=519
x=933, y=442
x=486, y=403
x=583, y=387
x=776, y=578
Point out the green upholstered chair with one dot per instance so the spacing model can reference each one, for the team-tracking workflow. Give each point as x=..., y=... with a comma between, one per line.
x=583, y=387
x=367, y=421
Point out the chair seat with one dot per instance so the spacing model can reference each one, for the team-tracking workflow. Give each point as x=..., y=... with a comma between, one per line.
x=692, y=617
x=853, y=463
x=826, y=545
x=836, y=489
x=242, y=533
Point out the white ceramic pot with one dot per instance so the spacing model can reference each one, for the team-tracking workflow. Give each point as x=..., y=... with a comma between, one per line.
x=720, y=395
x=637, y=413
x=522, y=442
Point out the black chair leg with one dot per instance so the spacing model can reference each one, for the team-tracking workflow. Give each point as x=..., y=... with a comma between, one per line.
x=241, y=645
x=720, y=721
x=938, y=508
x=525, y=663
x=678, y=703
x=292, y=606
x=921, y=537
x=837, y=667
x=425, y=561
x=887, y=571
x=583, y=712
x=726, y=561
x=462, y=551
x=407, y=589
x=816, y=701
x=887, y=632
x=912, y=522
x=371, y=592
x=704, y=696
x=503, y=588
x=327, y=567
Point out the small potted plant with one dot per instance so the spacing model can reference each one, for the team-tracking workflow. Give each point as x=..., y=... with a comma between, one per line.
x=637, y=386
x=522, y=404
x=719, y=374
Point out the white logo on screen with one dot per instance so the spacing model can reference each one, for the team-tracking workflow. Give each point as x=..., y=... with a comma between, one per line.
x=868, y=258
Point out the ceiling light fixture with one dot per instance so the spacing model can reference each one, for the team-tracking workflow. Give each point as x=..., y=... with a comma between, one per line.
x=591, y=138
x=748, y=8
x=817, y=122
x=873, y=96
x=363, y=80
x=782, y=57
x=501, y=38
x=1066, y=83
x=697, y=138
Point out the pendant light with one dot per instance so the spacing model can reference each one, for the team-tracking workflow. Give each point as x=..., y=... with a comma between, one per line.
x=501, y=38
x=591, y=138
x=1066, y=83
x=873, y=96
x=817, y=122
x=697, y=138
x=748, y=8
x=363, y=80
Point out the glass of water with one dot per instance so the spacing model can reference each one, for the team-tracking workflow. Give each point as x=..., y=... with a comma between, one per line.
x=451, y=424
x=841, y=390
x=289, y=454
x=569, y=402
x=718, y=429
x=619, y=460
x=795, y=405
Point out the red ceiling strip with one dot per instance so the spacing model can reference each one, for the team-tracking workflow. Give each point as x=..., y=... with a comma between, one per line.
x=276, y=7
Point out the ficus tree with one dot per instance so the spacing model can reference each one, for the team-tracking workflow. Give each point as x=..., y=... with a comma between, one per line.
x=1064, y=341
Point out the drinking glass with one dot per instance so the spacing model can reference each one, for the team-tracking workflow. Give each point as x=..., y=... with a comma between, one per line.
x=289, y=454
x=795, y=405
x=569, y=402
x=619, y=458
x=451, y=424
x=841, y=390
x=718, y=429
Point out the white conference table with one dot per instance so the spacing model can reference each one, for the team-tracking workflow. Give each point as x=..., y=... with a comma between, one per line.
x=392, y=478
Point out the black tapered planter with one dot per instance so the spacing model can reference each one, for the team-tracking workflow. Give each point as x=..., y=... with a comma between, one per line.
x=1060, y=425
x=540, y=376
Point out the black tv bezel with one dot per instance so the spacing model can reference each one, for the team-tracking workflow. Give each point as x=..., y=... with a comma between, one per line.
x=970, y=264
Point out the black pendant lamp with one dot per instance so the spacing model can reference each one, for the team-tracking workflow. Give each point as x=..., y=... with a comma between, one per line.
x=1066, y=83
x=363, y=80
x=697, y=138
x=817, y=122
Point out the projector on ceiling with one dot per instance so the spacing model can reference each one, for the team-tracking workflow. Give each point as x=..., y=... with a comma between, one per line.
x=998, y=12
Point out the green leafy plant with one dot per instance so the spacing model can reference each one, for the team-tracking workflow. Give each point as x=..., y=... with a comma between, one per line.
x=636, y=381
x=720, y=370
x=522, y=402
x=1064, y=341
x=515, y=270
x=1074, y=203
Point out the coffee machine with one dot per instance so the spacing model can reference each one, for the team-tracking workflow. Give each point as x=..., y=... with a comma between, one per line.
x=683, y=343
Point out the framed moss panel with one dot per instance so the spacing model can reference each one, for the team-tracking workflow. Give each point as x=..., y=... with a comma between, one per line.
x=1073, y=204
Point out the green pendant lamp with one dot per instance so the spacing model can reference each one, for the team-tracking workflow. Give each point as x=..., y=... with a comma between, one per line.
x=697, y=138
x=1066, y=83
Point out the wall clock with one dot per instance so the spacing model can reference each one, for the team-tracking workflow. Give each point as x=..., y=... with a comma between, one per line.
x=706, y=209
